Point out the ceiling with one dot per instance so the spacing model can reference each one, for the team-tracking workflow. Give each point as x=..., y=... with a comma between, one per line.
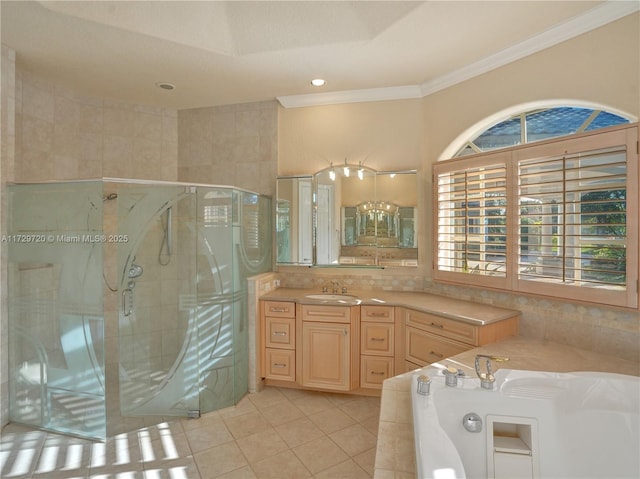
x=225, y=52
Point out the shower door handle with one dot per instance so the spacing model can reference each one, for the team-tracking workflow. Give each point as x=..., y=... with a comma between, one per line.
x=127, y=302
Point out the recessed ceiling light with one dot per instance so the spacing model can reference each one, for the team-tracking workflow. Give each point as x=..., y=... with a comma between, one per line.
x=165, y=85
x=318, y=82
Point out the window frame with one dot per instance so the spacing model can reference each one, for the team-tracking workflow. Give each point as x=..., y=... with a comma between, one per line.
x=622, y=135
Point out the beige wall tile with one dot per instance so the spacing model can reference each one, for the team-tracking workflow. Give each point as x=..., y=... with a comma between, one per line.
x=117, y=121
x=147, y=126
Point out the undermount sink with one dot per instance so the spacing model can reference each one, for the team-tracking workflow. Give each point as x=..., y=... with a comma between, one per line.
x=331, y=297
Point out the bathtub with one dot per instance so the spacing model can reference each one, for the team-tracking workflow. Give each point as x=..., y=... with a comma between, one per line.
x=532, y=424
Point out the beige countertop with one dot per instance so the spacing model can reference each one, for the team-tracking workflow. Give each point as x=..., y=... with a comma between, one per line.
x=474, y=313
x=395, y=455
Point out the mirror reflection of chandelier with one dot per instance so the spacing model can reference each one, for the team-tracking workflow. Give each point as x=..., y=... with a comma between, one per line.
x=372, y=207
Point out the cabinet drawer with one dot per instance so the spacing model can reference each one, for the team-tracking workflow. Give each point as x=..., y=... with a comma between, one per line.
x=280, y=309
x=326, y=314
x=281, y=364
x=280, y=333
x=450, y=328
x=425, y=348
x=377, y=313
x=376, y=338
x=374, y=370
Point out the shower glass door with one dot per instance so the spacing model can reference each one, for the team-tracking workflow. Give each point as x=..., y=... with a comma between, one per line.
x=55, y=303
x=158, y=325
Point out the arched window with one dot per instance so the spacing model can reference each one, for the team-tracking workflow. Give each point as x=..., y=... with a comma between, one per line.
x=540, y=124
x=544, y=202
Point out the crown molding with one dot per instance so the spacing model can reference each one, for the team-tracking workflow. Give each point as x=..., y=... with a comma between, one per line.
x=351, y=96
x=607, y=12
x=598, y=16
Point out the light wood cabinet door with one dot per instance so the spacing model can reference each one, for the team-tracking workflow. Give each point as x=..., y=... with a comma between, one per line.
x=326, y=356
x=376, y=338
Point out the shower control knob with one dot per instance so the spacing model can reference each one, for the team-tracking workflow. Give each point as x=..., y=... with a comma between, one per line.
x=135, y=271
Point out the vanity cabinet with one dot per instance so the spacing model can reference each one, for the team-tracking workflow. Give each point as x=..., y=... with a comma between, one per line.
x=278, y=332
x=335, y=347
x=430, y=338
x=377, y=345
x=328, y=347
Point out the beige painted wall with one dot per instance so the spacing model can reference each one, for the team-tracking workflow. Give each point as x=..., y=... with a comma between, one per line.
x=601, y=67
x=382, y=135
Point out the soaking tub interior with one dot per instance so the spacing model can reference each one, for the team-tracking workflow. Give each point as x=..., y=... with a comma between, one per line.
x=531, y=424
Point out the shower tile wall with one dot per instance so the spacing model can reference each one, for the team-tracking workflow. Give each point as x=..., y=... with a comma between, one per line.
x=62, y=135
x=230, y=145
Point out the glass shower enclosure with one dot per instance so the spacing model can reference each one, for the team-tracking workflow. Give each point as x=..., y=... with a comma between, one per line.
x=127, y=300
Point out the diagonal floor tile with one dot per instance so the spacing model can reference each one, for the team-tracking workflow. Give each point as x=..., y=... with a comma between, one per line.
x=320, y=454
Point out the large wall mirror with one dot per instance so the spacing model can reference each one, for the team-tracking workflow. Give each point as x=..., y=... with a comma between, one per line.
x=348, y=216
x=294, y=221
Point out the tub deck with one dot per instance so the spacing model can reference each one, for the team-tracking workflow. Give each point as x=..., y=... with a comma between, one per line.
x=395, y=455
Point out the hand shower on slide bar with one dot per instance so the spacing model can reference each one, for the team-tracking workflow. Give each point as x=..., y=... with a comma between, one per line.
x=167, y=237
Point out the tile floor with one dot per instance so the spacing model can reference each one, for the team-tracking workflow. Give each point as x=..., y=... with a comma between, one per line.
x=277, y=433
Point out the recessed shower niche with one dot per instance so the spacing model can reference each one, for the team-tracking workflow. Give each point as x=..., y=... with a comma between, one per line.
x=127, y=300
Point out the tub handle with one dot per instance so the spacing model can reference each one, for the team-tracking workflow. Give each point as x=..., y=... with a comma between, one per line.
x=487, y=379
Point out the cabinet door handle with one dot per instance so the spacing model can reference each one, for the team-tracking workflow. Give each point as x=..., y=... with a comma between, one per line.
x=377, y=339
x=279, y=333
x=436, y=325
x=279, y=365
x=278, y=310
x=377, y=315
x=437, y=355
x=378, y=373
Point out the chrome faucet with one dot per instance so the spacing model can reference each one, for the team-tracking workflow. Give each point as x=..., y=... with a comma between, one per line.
x=487, y=379
x=335, y=285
